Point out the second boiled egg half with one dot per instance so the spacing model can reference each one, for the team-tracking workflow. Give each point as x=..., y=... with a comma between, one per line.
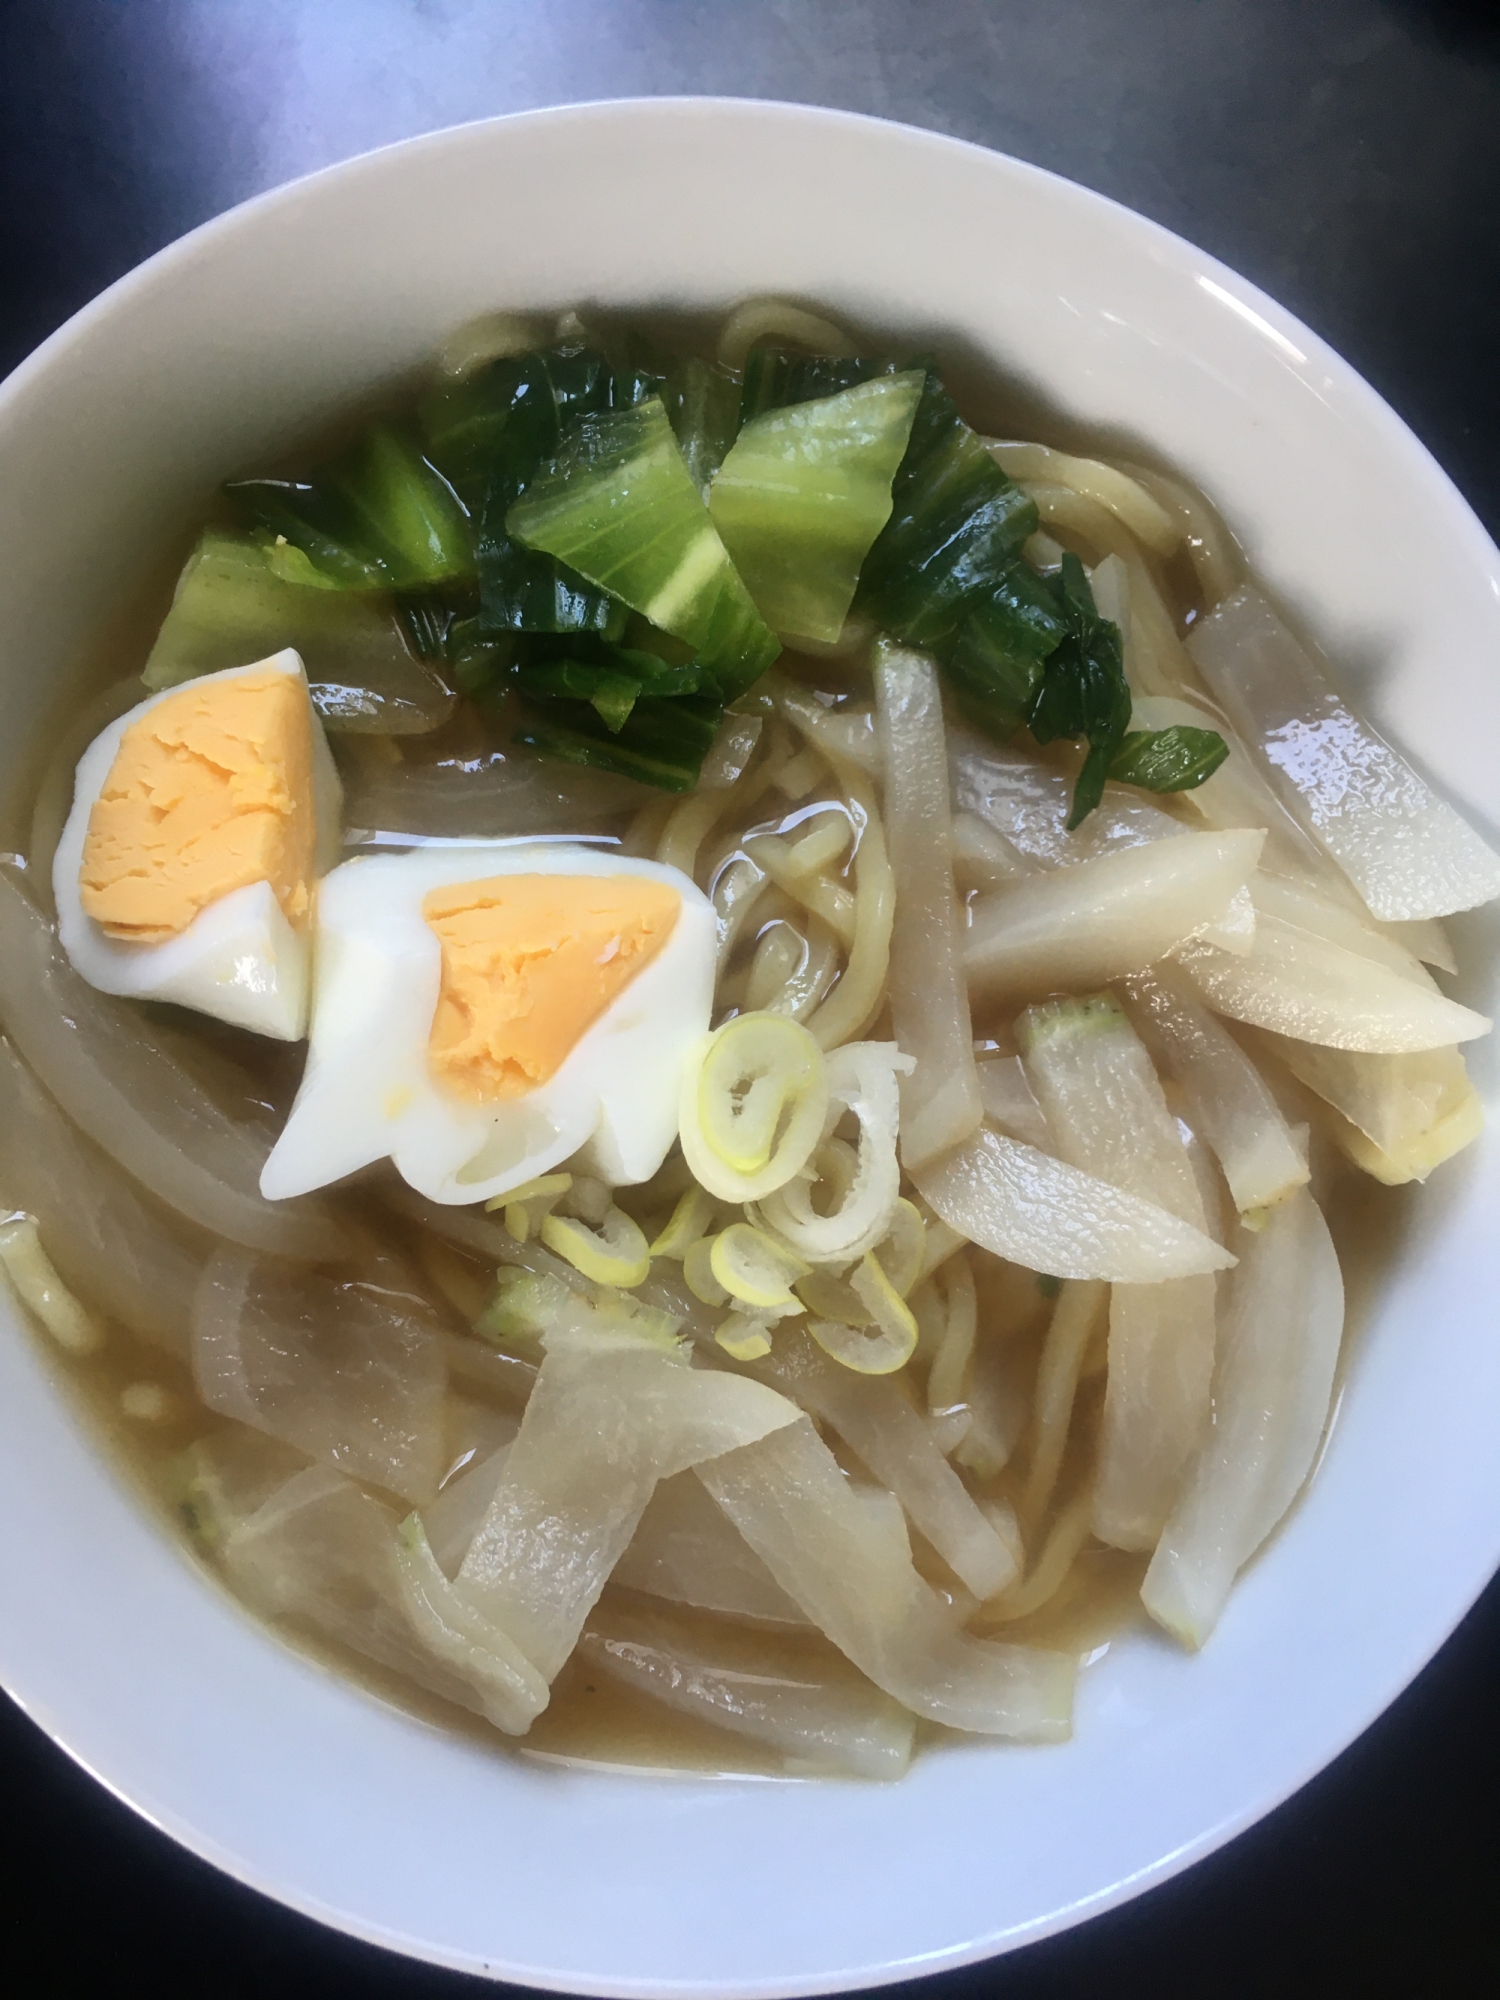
x=483, y=1013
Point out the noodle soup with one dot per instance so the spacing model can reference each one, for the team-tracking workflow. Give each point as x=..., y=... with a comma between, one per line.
x=835, y=1018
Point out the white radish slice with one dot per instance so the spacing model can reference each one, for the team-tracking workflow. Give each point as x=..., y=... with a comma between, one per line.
x=1314, y=991
x=848, y=1564
x=321, y=1549
x=1102, y=1099
x=1227, y=1101
x=688, y=1551
x=610, y=1416
x=925, y=986
x=1301, y=904
x=1085, y=925
x=1414, y=1111
x=1010, y=1102
x=1050, y=1217
x=349, y=1373
x=1279, y=1345
x=876, y=1418
x=1406, y=850
x=814, y=1708
x=93, y=1054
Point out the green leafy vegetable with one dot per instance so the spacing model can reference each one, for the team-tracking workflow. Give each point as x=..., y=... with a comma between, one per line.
x=611, y=680
x=957, y=524
x=662, y=742
x=1168, y=760
x=775, y=379
x=618, y=505
x=1083, y=691
x=489, y=434
x=703, y=405
x=804, y=492
x=379, y=517
x=234, y=605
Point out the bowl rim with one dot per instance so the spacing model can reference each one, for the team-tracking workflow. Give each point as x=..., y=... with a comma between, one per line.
x=1273, y=322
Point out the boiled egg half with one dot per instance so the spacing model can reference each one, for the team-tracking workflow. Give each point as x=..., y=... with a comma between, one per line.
x=484, y=1013
x=188, y=867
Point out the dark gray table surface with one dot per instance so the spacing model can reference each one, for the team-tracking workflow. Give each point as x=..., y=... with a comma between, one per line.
x=1345, y=154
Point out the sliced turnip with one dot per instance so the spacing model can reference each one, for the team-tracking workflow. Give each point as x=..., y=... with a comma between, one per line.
x=1010, y=1102
x=349, y=1373
x=1282, y=1323
x=687, y=1550
x=121, y=1254
x=1226, y=1099
x=876, y=1418
x=849, y=1566
x=95, y=1055
x=1314, y=991
x=1085, y=925
x=1105, y=1106
x=928, y=999
x=1406, y=850
x=808, y=1704
x=610, y=1416
x=1051, y=1217
x=1413, y=1111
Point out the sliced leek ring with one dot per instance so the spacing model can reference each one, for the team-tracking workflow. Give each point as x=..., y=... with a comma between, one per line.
x=754, y=1096
x=743, y=1337
x=689, y=1221
x=756, y=1270
x=616, y=1253
x=697, y=1271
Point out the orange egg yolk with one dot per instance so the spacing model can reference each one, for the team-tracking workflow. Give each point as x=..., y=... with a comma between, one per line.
x=210, y=790
x=530, y=962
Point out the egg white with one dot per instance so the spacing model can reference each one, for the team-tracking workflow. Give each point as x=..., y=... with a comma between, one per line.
x=368, y=1094
x=239, y=959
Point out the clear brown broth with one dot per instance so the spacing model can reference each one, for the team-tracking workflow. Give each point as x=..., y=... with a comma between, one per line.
x=592, y=1718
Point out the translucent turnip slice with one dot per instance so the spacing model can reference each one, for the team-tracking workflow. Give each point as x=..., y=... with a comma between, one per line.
x=95, y=1055
x=1309, y=909
x=1010, y=1102
x=1051, y=1217
x=1410, y=1112
x=349, y=1373
x=1085, y=925
x=687, y=1550
x=494, y=797
x=928, y=998
x=122, y=1255
x=1094, y=1080
x=877, y=1419
x=610, y=1416
x=1406, y=851
x=320, y=1550
x=1314, y=991
x=1225, y=1096
x=810, y=1706
x=1282, y=1322
x=849, y=1566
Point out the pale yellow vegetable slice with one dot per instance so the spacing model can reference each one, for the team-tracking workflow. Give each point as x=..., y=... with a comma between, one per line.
x=754, y=1095
x=615, y=1253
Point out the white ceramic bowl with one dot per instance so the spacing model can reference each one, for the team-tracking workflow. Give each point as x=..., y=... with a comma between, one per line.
x=320, y=1795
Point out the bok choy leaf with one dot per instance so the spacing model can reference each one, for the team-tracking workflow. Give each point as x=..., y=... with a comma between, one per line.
x=381, y=516
x=618, y=504
x=957, y=523
x=802, y=495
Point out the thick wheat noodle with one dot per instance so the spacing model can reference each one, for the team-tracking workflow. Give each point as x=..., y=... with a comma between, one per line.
x=1073, y=1319
x=1152, y=624
x=1215, y=557
x=948, y=1378
x=1137, y=509
x=694, y=818
x=818, y=894
x=1076, y=514
x=856, y=999
x=1065, y=1540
